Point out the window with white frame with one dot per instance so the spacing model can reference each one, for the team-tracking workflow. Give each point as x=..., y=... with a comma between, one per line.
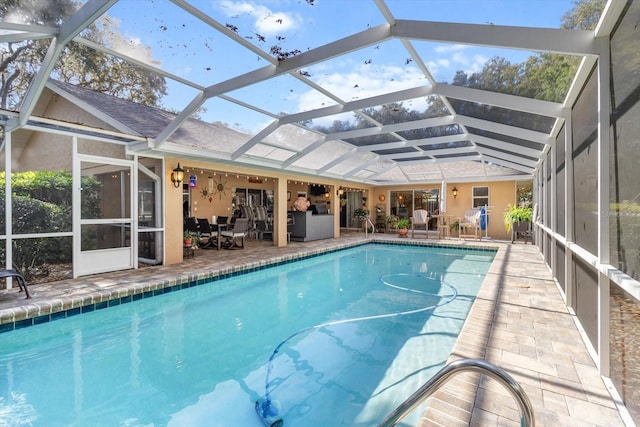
x=480, y=196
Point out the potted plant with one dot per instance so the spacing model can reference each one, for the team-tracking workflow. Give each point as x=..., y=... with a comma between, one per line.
x=392, y=220
x=454, y=228
x=403, y=227
x=517, y=219
x=190, y=238
x=360, y=214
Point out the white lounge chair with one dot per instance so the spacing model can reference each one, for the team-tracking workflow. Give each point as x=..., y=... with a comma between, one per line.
x=420, y=220
x=470, y=225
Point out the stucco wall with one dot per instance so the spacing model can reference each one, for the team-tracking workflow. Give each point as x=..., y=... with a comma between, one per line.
x=501, y=193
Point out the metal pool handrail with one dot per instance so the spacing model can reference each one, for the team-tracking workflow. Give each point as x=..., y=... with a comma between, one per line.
x=373, y=226
x=527, y=418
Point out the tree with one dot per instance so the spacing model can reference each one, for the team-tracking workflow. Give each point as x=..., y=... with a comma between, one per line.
x=77, y=64
x=584, y=15
x=17, y=58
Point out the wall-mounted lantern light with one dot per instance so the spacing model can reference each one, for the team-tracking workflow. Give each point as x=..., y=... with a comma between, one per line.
x=177, y=176
x=455, y=192
x=340, y=191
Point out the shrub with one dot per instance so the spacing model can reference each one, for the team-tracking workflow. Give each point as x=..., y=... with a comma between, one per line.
x=41, y=203
x=516, y=214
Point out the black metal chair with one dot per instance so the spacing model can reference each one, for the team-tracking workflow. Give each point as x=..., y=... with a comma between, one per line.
x=207, y=232
x=190, y=224
x=22, y=284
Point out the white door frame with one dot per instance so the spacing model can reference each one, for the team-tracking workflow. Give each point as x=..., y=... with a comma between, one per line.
x=103, y=260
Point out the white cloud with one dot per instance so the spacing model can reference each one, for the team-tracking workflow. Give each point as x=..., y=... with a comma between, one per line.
x=452, y=58
x=450, y=48
x=360, y=82
x=265, y=21
x=125, y=43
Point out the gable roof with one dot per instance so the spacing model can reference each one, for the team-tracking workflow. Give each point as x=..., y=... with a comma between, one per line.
x=144, y=121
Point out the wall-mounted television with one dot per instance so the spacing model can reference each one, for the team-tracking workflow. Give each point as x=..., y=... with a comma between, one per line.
x=317, y=190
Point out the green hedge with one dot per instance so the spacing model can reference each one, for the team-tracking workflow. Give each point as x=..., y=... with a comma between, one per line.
x=42, y=203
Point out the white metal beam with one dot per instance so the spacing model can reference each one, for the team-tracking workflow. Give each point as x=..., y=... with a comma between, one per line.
x=374, y=101
x=513, y=131
x=255, y=139
x=572, y=42
x=508, y=157
x=515, y=149
x=508, y=164
x=337, y=160
x=512, y=102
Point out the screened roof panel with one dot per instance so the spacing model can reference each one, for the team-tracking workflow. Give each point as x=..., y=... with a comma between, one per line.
x=492, y=113
x=352, y=162
x=367, y=72
x=281, y=95
x=397, y=151
x=440, y=146
x=269, y=152
x=292, y=137
x=372, y=139
x=327, y=152
x=174, y=40
x=249, y=80
x=237, y=117
x=430, y=132
x=17, y=92
x=523, y=14
x=506, y=138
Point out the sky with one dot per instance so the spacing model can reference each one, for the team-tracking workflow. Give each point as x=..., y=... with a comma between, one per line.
x=162, y=34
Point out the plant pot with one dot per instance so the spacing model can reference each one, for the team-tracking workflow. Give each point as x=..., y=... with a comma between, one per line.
x=521, y=229
x=403, y=232
x=188, y=242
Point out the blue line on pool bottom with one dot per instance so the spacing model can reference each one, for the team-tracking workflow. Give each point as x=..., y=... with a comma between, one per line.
x=269, y=410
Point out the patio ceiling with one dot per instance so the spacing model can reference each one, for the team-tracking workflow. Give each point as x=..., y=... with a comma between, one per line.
x=286, y=107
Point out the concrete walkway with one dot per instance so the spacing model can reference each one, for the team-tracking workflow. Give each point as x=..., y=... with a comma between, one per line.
x=518, y=322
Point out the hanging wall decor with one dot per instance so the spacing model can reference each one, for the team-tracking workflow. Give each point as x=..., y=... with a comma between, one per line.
x=208, y=191
x=220, y=188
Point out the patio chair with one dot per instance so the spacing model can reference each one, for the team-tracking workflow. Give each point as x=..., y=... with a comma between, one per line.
x=419, y=220
x=22, y=284
x=470, y=225
x=247, y=212
x=206, y=231
x=190, y=224
x=260, y=217
x=239, y=231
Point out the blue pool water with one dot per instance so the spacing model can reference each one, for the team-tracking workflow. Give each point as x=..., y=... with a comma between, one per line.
x=200, y=356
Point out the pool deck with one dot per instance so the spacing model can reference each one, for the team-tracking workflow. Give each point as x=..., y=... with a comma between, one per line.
x=518, y=322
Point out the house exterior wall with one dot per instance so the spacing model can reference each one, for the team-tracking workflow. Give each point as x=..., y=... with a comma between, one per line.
x=501, y=194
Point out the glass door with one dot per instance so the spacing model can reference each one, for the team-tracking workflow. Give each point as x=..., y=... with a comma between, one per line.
x=105, y=213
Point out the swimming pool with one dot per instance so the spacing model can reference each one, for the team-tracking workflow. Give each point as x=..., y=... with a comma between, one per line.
x=200, y=357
